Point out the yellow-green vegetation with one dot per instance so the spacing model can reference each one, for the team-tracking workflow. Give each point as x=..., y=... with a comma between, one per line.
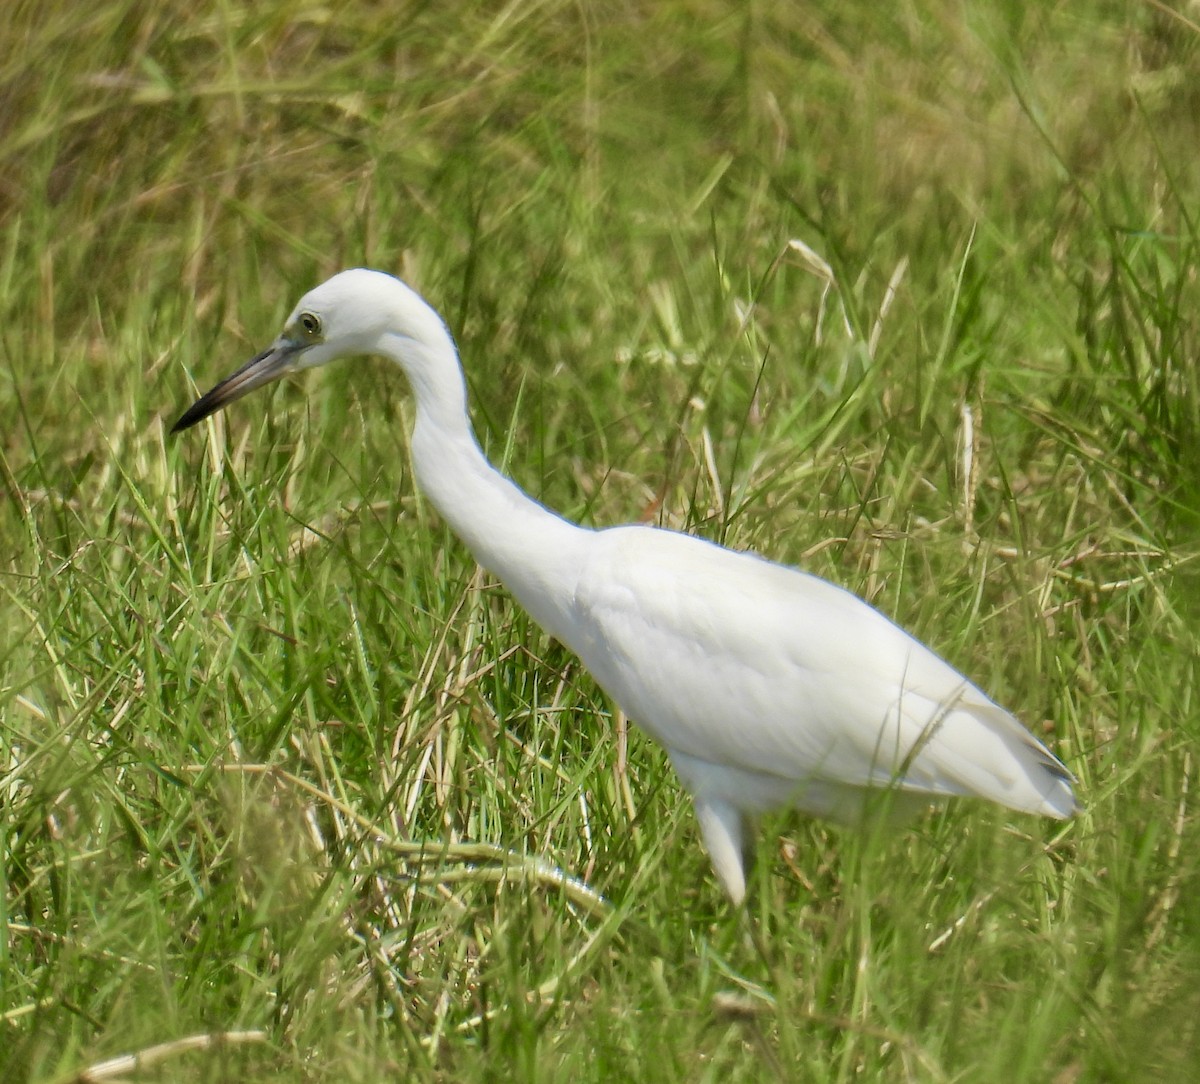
x=904, y=294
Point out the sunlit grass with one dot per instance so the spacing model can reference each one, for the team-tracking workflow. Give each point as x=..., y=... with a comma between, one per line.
x=903, y=296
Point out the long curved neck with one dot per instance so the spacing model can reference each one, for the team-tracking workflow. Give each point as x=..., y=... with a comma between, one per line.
x=535, y=553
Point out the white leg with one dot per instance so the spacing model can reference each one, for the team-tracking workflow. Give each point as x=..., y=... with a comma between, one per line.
x=721, y=829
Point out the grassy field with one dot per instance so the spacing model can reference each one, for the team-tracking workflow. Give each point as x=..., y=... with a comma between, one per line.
x=904, y=294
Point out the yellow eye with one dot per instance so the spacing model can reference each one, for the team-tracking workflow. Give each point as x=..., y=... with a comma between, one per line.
x=310, y=324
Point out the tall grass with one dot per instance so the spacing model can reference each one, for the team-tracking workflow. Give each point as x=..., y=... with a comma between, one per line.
x=904, y=295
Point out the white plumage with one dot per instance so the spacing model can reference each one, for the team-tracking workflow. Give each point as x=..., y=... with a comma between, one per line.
x=767, y=686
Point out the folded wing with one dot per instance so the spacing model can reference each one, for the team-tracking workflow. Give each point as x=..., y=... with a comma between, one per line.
x=758, y=668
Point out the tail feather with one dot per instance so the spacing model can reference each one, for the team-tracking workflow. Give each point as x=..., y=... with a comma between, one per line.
x=980, y=750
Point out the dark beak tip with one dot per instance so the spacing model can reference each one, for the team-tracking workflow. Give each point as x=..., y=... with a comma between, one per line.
x=260, y=369
x=188, y=418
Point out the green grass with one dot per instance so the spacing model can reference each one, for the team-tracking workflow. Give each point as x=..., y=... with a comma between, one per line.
x=277, y=760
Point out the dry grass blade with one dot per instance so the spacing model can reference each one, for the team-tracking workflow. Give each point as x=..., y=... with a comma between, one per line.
x=127, y=1064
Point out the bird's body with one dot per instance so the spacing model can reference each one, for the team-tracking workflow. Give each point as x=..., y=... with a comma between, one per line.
x=768, y=687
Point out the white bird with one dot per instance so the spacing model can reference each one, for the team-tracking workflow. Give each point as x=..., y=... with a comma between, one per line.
x=769, y=687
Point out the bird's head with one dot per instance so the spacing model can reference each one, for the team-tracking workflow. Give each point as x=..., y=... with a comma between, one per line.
x=352, y=313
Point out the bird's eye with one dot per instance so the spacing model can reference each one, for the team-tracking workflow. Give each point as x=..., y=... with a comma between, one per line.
x=310, y=324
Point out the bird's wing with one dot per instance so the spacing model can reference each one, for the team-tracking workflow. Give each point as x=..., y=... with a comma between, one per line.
x=740, y=662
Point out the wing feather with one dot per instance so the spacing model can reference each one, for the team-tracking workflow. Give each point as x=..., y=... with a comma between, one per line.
x=735, y=661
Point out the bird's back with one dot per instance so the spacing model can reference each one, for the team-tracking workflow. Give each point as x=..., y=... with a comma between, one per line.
x=790, y=684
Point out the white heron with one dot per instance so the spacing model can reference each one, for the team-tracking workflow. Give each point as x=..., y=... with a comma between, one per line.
x=769, y=687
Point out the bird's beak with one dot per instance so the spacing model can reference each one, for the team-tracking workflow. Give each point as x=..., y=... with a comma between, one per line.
x=278, y=358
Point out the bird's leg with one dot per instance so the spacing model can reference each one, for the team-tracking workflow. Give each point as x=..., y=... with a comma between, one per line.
x=721, y=830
